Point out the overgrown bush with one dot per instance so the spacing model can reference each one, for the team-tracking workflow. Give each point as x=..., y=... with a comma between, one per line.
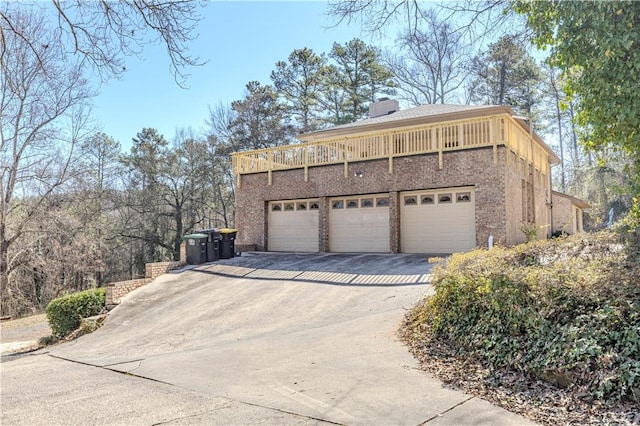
x=65, y=313
x=565, y=310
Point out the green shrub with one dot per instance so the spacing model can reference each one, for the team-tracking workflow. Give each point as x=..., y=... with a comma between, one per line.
x=564, y=310
x=530, y=230
x=47, y=340
x=65, y=313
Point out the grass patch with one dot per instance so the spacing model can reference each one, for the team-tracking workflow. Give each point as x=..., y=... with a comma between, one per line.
x=47, y=340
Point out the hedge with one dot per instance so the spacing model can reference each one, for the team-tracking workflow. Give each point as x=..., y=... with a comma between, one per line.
x=565, y=310
x=65, y=313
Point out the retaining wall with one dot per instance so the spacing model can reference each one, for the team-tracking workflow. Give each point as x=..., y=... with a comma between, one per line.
x=114, y=292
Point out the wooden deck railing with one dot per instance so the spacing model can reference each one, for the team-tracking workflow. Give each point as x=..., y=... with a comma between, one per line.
x=491, y=131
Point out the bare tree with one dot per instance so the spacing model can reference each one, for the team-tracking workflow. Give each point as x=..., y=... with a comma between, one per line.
x=52, y=210
x=471, y=23
x=574, y=138
x=431, y=66
x=377, y=14
x=55, y=253
x=557, y=97
x=185, y=182
x=221, y=181
x=39, y=93
x=477, y=18
x=219, y=123
x=94, y=187
x=103, y=33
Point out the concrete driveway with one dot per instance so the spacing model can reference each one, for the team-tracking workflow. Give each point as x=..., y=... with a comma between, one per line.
x=258, y=339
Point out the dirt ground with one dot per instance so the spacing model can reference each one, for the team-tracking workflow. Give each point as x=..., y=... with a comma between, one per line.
x=23, y=334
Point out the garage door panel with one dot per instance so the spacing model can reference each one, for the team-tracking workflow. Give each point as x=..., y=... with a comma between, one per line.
x=362, y=228
x=438, y=221
x=293, y=226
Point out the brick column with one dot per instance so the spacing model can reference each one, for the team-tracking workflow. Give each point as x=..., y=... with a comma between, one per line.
x=394, y=222
x=183, y=252
x=323, y=224
x=109, y=297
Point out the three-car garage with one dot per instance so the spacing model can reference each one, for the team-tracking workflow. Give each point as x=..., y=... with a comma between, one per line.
x=431, y=221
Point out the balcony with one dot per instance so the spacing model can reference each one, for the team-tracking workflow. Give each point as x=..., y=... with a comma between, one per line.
x=437, y=138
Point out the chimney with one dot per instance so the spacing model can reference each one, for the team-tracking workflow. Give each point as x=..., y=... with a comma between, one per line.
x=384, y=106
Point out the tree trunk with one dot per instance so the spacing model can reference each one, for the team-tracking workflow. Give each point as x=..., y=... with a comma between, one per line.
x=602, y=195
x=559, y=118
x=5, y=307
x=503, y=83
x=575, y=138
x=179, y=230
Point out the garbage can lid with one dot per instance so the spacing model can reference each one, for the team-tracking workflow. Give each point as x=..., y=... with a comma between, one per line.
x=212, y=231
x=227, y=230
x=195, y=236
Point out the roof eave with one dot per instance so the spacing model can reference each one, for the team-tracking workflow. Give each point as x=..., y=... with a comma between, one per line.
x=577, y=201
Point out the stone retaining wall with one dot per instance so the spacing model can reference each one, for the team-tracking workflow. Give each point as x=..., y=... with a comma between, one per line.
x=154, y=270
x=116, y=291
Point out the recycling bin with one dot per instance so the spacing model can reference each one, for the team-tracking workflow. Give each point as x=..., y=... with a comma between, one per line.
x=196, y=248
x=227, y=244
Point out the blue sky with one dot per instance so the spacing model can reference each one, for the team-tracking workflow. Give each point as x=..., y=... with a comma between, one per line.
x=241, y=41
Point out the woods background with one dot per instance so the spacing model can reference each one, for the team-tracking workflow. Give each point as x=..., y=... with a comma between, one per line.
x=78, y=212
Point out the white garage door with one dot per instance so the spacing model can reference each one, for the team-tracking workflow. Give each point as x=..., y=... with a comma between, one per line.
x=293, y=226
x=441, y=221
x=359, y=224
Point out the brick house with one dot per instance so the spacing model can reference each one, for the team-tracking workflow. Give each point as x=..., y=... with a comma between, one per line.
x=567, y=213
x=430, y=179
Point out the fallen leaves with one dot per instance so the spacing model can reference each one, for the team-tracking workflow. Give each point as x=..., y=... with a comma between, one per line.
x=512, y=390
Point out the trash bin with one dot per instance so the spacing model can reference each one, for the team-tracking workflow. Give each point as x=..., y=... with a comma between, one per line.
x=213, y=250
x=196, y=248
x=213, y=243
x=227, y=245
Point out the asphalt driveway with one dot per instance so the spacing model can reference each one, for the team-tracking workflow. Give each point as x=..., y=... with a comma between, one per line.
x=259, y=339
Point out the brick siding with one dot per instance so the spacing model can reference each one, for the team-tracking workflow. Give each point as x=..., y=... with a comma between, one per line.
x=563, y=215
x=244, y=247
x=515, y=217
x=498, y=192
